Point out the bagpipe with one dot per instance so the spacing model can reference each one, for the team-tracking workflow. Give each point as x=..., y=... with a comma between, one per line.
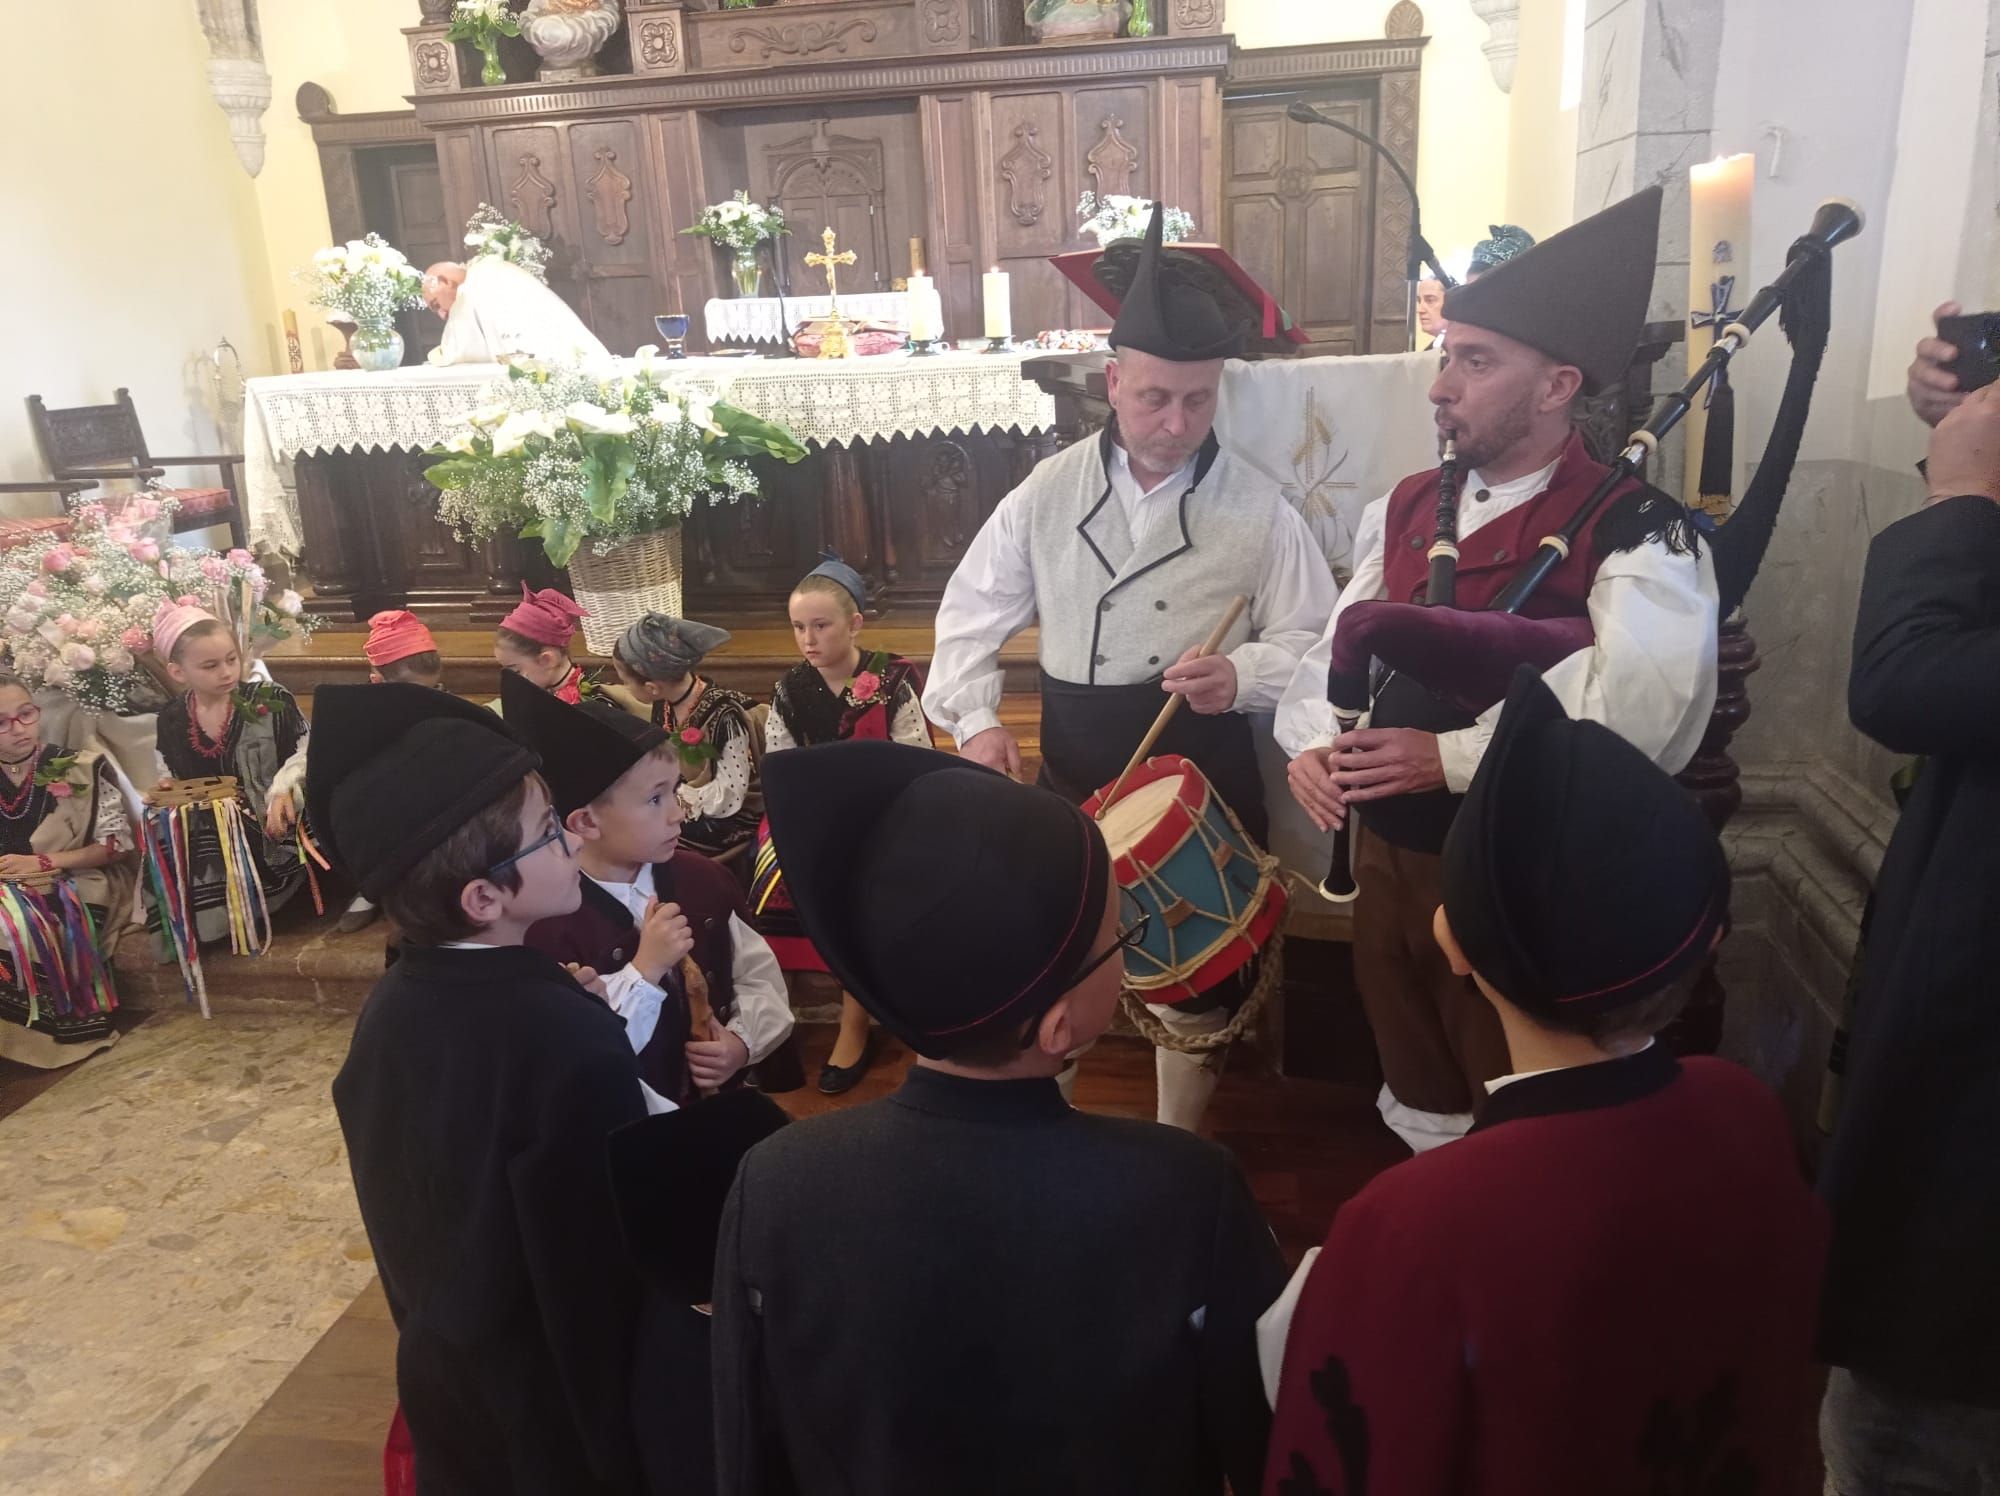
x=1441, y=666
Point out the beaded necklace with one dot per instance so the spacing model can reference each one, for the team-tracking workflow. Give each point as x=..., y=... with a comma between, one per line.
x=16, y=805
x=215, y=748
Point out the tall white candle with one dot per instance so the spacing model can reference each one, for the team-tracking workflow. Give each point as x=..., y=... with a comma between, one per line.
x=922, y=328
x=998, y=286
x=1719, y=195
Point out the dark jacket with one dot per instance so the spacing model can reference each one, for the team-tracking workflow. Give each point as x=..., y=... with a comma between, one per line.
x=476, y=1100
x=1607, y=1287
x=1913, y=1284
x=970, y=1288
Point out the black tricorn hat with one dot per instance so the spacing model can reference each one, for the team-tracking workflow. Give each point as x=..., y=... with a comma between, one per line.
x=585, y=749
x=395, y=769
x=1176, y=307
x=1579, y=296
x=952, y=902
x=1578, y=877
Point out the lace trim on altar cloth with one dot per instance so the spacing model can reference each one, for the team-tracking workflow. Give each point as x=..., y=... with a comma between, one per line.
x=828, y=402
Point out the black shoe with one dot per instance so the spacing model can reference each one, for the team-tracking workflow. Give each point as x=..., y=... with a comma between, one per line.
x=836, y=1079
x=357, y=919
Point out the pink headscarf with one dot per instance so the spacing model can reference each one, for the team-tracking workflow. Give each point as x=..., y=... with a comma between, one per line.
x=174, y=618
x=547, y=617
x=396, y=635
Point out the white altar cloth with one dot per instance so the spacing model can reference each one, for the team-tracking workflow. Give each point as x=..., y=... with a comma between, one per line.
x=754, y=319
x=831, y=402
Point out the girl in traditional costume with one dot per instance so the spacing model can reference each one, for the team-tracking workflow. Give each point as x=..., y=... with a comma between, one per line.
x=838, y=692
x=224, y=724
x=721, y=731
x=61, y=814
x=533, y=642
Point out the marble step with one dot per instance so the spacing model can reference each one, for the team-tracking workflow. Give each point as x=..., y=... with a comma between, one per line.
x=309, y=966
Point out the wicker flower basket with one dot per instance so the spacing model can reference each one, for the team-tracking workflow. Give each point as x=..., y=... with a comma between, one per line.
x=635, y=577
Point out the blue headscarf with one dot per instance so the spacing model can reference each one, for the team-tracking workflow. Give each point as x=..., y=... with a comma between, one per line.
x=832, y=567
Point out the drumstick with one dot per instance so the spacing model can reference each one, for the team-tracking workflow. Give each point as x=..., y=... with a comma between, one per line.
x=1209, y=647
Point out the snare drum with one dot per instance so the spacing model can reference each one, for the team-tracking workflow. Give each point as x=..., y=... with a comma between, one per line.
x=1215, y=898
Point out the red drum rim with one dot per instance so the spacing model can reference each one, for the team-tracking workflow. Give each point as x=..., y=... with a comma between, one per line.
x=1188, y=804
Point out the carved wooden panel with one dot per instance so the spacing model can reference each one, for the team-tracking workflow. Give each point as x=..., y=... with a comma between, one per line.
x=773, y=36
x=532, y=195
x=944, y=25
x=1111, y=165
x=951, y=168
x=659, y=48
x=827, y=179
x=1026, y=169
x=1194, y=17
x=1395, y=127
x=462, y=170
x=612, y=256
x=433, y=61
x=936, y=493
x=610, y=194
x=1188, y=171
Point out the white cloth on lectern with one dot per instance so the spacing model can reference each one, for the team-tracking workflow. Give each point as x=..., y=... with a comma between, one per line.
x=501, y=309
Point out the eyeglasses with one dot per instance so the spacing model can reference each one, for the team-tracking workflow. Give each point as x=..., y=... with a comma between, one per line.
x=553, y=834
x=28, y=716
x=1132, y=928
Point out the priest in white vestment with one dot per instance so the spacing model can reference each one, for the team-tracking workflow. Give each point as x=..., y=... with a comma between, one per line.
x=493, y=309
x=1127, y=551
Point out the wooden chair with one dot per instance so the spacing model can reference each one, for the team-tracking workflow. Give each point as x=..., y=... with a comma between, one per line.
x=95, y=443
x=15, y=532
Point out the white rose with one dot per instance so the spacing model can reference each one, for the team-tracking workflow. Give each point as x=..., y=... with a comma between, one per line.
x=51, y=633
x=290, y=603
x=21, y=622
x=596, y=421
x=118, y=660
x=666, y=413
x=55, y=674
x=94, y=585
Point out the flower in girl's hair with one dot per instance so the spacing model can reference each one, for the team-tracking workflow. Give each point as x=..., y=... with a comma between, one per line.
x=691, y=736
x=866, y=684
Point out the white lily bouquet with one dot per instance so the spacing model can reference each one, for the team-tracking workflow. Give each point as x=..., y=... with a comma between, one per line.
x=365, y=280
x=1114, y=217
x=491, y=232
x=573, y=455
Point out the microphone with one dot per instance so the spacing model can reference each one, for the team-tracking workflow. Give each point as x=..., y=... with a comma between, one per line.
x=785, y=348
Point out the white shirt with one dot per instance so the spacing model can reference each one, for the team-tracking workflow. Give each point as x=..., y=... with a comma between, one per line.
x=655, y=1102
x=1650, y=675
x=501, y=309
x=763, y=1014
x=991, y=598
x=1507, y=1080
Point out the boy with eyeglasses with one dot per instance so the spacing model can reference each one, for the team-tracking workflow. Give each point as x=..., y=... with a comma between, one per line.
x=968, y=1286
x=477, y=1100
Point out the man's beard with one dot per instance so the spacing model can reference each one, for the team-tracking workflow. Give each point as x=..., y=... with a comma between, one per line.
x=1478, y=449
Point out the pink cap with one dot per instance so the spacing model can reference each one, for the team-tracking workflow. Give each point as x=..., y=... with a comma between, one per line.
x=547, y=617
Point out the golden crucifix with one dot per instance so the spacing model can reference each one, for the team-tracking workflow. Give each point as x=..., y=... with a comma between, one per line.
x=835, y=343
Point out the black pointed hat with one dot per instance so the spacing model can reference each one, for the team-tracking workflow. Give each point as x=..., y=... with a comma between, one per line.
x=585, y=749
x=395, y=769
x=1578, y=877
x=1176, y=306
x=1579, y=296
x=952, y=902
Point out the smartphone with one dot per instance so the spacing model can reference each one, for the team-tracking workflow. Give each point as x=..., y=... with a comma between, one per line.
x=1977, y=339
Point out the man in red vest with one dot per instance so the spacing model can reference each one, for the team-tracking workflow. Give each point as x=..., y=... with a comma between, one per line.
x=1528, y=339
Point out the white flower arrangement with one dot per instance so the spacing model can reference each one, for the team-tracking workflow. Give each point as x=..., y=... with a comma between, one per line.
x=1115, y=217
x=569, y=455
x=739, y=224
x=490, y=232
x=79, y=612
x=365, y=280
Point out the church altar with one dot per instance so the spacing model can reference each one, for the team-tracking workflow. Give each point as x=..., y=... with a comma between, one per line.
x=757, y=319
x=908, y=456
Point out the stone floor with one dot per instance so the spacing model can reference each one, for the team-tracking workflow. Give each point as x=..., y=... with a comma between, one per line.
x=177, y=1229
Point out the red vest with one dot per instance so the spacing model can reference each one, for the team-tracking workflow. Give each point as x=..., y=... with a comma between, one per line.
x=1492, y=554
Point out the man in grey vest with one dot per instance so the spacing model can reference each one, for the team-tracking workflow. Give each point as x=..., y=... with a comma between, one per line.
x=1127, y=550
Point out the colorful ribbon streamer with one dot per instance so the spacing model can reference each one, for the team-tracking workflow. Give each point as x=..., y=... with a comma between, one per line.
x=166, y=835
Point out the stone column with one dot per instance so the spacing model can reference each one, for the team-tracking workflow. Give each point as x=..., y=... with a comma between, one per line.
x=1648, y=104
